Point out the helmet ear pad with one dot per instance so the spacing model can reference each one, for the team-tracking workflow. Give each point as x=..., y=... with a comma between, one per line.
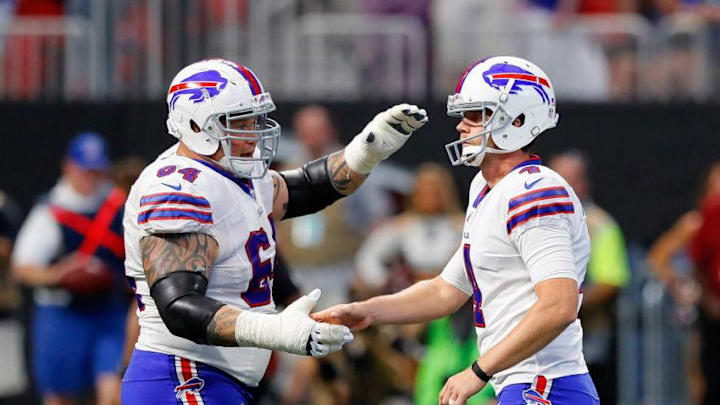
x=180, y=126
x=514, y=137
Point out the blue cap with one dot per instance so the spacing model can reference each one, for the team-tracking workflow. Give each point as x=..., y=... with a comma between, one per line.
x=89, y=151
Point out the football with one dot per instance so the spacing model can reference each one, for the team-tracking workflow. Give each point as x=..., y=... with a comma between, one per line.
x=85, y=275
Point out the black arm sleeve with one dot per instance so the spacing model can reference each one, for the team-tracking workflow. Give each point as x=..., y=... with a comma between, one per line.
x=183, y=306
x=309, y=188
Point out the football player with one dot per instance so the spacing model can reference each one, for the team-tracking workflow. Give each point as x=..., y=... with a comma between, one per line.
x=523, y=253
x=200, y=238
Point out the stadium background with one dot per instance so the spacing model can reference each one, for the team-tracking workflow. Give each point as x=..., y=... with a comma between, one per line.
x=646, y=117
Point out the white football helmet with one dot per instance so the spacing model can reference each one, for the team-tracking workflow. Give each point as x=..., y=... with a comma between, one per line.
x=212, y=94
x=510, y=88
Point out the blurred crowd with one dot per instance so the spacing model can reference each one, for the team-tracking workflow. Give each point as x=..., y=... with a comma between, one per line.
x=624, y=49
x=67, y=314
x=67, y=320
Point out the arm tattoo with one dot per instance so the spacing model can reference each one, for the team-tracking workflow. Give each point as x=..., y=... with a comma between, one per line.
x=221, y=329
x=279, y=192
x=165, y=253
x=278, y=185
x=336, y=176
x=343, y=179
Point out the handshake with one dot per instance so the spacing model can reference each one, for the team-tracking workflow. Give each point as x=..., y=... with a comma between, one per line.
x=295, y=330
x=292, y=330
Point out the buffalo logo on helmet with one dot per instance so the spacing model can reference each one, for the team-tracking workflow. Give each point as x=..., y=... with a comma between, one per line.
x=532, y=397
x=498, y=75
x=193, y=385
x=199, y=86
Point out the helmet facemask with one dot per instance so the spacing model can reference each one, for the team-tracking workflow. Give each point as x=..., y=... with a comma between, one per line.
x=264, y=132
x=473, y=155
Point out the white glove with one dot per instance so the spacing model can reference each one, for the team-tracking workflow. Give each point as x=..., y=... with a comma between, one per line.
x=292, y=330
x=384, y=135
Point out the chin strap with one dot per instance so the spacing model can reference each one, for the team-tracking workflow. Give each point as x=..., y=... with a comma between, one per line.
x=476, y=160
x=506, y=91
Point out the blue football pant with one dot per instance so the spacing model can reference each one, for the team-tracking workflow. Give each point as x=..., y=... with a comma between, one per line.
x=164, y=379
x=570, y=390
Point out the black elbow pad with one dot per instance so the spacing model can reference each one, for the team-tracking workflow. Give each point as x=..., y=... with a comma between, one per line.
x=183, y=306
x=309, y=188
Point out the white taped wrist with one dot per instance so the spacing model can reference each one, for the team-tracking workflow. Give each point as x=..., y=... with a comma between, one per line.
x=383, y=136
x=256, y=329
x=358, y=157
x=273, y=332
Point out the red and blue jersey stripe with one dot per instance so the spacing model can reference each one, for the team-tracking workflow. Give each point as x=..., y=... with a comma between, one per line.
x=166, y=214
x=535, y=204
x=174, y=198
x=539, y=211
x=537, y=195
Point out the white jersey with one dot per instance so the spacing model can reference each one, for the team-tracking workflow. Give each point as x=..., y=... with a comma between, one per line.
x=176, y=194
x=496, y=263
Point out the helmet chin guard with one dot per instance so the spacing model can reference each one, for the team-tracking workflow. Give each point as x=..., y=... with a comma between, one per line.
x=207, y=98
x=510, y=88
